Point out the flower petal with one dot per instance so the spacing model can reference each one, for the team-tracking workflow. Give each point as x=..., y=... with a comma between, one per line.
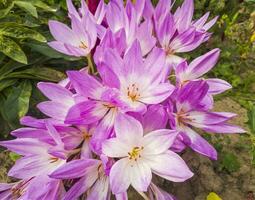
x=170, y=166
x=119, y=176
x=128, y=129
x=159, y=141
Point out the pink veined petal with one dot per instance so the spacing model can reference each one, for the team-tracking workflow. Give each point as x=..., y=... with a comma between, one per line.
x=185, y=14
x=54, y=134
x=100, y=190
x=85, y=84
x=159, y=193
x=55, y=92
x=155, y=118
x=140, y=175
x=119, y=176
x=76, y=51
x=170, y=166
x=223, y=128
x=60, y=46
x=100, y=12
x=20, y=146
x=54, y=109
x=128, y=129
x=157, y=94
x=86, y=112
x=103, y=131
x=209, y=24
x=190, y=46
x=82, y=185
x=201, y=21
x=163, y=7
x=115, y=148
x=201, y=119
x=121, y=196
x=62, y=33
x=74, y=169
x=133, y=62
x=166, y=30
x=86, y=150
x=155, y=66
x=71, y=9
x=30, y=133
x=217, y=86
x=200, y=145
x=203, y=64
x=29, y=166
x=115, y=16
x=159, y=141
x=144, y=35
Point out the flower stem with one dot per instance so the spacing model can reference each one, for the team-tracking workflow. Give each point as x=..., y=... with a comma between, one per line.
x=90, y=64
x=144, y=195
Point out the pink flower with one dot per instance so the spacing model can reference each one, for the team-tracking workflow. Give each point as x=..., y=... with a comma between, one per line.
x=141, y=155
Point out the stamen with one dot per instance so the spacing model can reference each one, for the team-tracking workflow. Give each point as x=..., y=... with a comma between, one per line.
x=133, y=92
x=83, y=45
x=135, y=153
x=53, y=159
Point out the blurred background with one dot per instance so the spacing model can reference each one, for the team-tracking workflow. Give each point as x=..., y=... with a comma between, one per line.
x=26, y=59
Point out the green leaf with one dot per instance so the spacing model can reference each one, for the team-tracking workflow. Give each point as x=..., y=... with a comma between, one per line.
x=17, y=103
x=251, y=116
x=21, y=32
x=230, y=162
x=5, y=11
x=14, y=156
x=12, y=50
x=7, y=83
x=38, y=73
x=42, y=5
x=28, y=7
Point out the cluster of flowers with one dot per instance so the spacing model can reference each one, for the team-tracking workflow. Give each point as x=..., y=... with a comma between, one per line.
x=113, y=125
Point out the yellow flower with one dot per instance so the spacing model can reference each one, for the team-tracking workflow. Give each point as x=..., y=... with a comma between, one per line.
x=213, y=196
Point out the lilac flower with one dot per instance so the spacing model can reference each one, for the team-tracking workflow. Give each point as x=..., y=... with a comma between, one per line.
x=78, y=41
x=38, y=161
x=197, y=68
x=61, y=100
x=177, y=33
x=129, y=85
x=93, y=178
x=128, y=20
x=141, y=155
x=189, y=112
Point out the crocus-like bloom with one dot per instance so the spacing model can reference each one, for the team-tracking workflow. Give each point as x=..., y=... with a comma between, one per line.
x=78, y=41
x=129, y=84
x=38, y=161
x=141, y=155
x=177, y=33
x=93, y=178
x=197, y=68
x=61, y=100
x=189, y=112
x=127, y=20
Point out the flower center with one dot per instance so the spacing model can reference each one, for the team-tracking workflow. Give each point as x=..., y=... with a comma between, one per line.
x=133, y=92
x=53, y=160
x=182, y=118
x=134, y=154
x=83, y=45
x=86, y=136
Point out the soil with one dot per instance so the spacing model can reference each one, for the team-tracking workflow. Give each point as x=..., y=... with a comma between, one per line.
x=209, y=176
